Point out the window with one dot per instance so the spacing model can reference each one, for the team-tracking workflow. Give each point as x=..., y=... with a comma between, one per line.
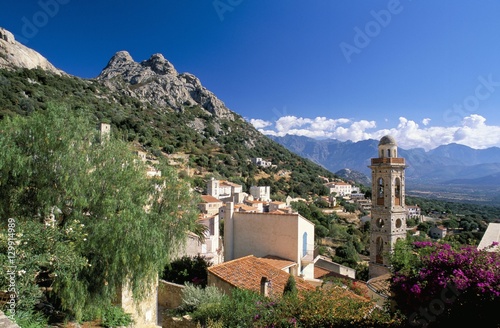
x=397, y=191
x=304, y=244
x=380, y=192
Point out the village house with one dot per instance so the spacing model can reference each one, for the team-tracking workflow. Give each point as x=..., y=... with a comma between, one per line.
x=262, y=193
x=249, y=272
x=340, y=188
x=413, y=212
x=226, y=191
x=288, y=236
x=209, y=205
x=260, y=162
x=278, y=206
x=437, y=232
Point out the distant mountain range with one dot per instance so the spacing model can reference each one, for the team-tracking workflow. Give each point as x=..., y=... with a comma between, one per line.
x=451, y=164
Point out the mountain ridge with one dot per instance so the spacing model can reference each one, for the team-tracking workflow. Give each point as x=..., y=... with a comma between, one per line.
x=167, y=114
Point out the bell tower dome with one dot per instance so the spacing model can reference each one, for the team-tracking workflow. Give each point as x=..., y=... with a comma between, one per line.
x=388, y=214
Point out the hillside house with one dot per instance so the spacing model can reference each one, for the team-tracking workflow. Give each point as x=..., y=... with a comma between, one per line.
x=289, y=236
x=225, y=190
x=259, y=205
x=260, y=162
x=437, y=232
x=413, y=211
x=278, y=206
x=363, y=204
x=262, y=193
x=340, y=188
x=209, y=205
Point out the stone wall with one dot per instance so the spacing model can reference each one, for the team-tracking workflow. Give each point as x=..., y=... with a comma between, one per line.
x=169, y=294
x=5, y=322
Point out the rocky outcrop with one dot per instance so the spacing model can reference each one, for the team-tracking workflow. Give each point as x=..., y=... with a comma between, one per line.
x=156, y=81
x=16, y=55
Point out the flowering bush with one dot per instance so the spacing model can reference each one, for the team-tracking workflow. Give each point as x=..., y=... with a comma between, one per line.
x=436, y=283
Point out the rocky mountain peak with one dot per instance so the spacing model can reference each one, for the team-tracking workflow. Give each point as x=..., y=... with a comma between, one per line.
x=156, y=81
x=16, y=55
x=121, y=57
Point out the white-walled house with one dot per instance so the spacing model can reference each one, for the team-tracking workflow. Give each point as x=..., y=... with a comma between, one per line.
x=209, y=205
x=261, y=193
x=210, y=248
x=225, y=190
x=340, y=188
x=289, y=236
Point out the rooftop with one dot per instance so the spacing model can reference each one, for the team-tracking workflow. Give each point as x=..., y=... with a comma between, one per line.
x=247, y=272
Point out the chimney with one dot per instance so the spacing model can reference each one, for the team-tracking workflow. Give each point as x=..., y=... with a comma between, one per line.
x=264, y=287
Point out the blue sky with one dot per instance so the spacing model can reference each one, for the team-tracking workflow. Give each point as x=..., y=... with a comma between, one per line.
x=426, y=71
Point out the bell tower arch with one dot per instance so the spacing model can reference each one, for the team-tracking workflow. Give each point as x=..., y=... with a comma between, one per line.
x=388, y=213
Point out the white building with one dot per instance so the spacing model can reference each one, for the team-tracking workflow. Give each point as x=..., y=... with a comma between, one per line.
x=262, y=193
x=340, y=188
x=260, y=162
x=288, y=236
x=225, y=190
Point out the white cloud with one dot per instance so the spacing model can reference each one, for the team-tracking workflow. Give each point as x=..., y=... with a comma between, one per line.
x=259, y=124
x=472, y=131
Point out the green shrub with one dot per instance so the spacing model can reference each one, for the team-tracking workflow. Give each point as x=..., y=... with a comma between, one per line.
x=193, y=297
x=114, y=316
x=30, y=319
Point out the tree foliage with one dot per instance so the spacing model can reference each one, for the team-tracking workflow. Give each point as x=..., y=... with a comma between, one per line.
x=438, y=284
x=87, y=218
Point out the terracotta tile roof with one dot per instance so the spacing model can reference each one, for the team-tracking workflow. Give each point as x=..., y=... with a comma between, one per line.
x=247, y=272
x=380, y=285
x=277, y=261
x=324, y=274
x=210, y=199
x=244, y=208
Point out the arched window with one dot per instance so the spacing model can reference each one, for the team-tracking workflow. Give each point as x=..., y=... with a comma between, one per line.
x=380, y=192
x=304, y=244
x=388, y=153
x=397, y=191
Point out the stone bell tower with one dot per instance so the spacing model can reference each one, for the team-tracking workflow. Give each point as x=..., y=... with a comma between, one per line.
x=388, y=213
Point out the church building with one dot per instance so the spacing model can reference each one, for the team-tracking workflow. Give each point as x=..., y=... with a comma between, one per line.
x=388, y=212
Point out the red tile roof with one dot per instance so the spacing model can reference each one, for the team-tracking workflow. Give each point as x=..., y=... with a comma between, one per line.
x=210, y=199
x=247, y=272
x=277, y=262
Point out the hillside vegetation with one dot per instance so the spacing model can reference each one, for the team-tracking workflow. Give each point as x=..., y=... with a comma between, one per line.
x=222, y=148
